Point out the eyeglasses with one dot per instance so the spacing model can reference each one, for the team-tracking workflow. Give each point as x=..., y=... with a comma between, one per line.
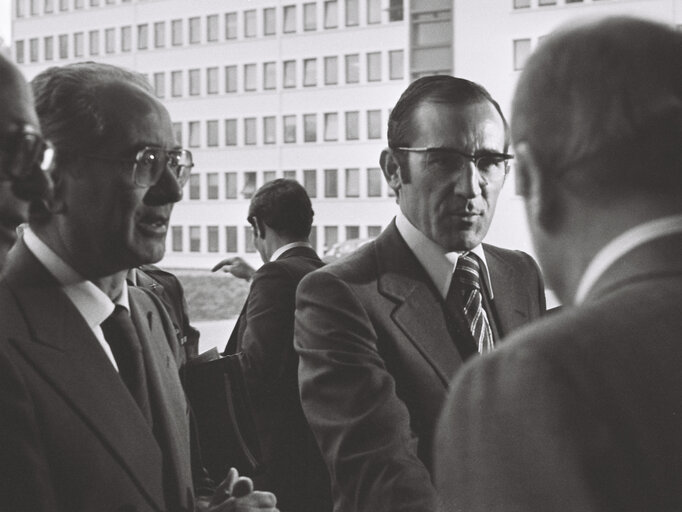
x=491, y=166
x=23, y=151
x=151, y=161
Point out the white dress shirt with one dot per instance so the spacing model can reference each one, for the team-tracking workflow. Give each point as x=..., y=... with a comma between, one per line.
x=439, y=265
x=621, y=245
x=286, y=247
x=92, y=303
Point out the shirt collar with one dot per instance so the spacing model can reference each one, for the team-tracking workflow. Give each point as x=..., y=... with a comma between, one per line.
x=286, y=247
x=438, y=264
x=92, y=303
x=621, y=245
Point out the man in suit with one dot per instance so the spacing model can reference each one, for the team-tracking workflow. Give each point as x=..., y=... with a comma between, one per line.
x=381, y=332
x=94, y=417
x=281, y=216
x=582, y=411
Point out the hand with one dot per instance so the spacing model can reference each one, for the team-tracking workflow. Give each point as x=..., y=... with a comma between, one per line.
x=236, y=494
x=237, y=267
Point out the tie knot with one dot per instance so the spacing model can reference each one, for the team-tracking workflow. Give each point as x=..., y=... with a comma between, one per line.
x=467, y=271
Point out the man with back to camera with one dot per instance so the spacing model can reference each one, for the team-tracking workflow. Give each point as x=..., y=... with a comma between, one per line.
x=582, y=411
x=281, y=216
x=380, y=333
x=94, y=414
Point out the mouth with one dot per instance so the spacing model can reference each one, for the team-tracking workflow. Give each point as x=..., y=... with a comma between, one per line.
x=153, y=224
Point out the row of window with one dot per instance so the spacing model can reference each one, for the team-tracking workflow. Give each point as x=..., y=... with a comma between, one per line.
x=523, y=4
x=251, y=131
x=231, y=242
x=349, y=183
x=50, y=6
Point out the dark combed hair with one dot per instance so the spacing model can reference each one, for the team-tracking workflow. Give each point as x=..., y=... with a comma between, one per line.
x=435, y=89
x=284, y=206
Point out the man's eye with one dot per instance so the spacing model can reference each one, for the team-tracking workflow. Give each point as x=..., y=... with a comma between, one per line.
x=149, y=158
x=488, y=163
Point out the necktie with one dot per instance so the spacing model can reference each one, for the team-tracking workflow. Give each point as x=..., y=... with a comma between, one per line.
x=121, y=336
x=467, y=279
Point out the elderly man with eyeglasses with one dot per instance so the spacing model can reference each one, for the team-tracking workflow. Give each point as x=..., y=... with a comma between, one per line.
x=381, y=332
x=93, y=413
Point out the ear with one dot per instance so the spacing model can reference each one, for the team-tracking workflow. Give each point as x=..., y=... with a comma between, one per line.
x=393, y=173
x=538, y=188
x=258, y=228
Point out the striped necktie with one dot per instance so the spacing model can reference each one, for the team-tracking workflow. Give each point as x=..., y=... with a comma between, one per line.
x=468, y=280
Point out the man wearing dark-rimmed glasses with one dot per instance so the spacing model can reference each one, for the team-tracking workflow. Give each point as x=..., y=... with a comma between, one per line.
x=93, y=413
x=381, y=332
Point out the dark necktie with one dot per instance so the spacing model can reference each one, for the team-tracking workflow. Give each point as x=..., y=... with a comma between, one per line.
x=468, y=280
x=121, y=336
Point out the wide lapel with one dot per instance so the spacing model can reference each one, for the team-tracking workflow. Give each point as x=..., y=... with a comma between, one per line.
x=63, y=349
x=166, y=395
x=419, y=310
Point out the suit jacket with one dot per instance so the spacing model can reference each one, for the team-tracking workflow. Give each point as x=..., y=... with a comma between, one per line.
x=377, y=350
x=581, y=411
x=73, y=438
x=264, y=332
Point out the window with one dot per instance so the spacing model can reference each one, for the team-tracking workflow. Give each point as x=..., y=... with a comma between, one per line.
x=289, y=24
x=230, y=185
x=63, y=5
x=331, y=14
x=110, y=40
x=521, y=4
x=310, y=16
x=310, y=128
x=212, y=27
x=195, y=186
x=231, y=25
x=49, y=6
x=230, y=238
x=212, y=182
x=230, y=78
x=289, y=73
x=352, y=13
x=353, y=184
x=19, y=11
x=574, y=1
x=212, y=80
x=34, y=49
x=177, y=133
x=331, y=183
x=249, y=77
x=78, y=44
x=126, y=38
x=78, y=4
x=373, y=11
x=331, y=126
x=248, y=239
x=249, y=184
x=212, y=139
x=395, y=65
x=374, y=124
x=352, y=69
x=521, y=52
x=176, y=29
x=331, y=236
x=331, y=70
x=268, y=176
x=289, y=128
x=250, y=131
x=230, y=132
x=159, y=34
x=142, y=36
x=374, y=179
x=310, y=182
x=250, y=23
x=159, y=84
x=212, y=238
x=194, y=238
x=546, y=2
x=93, y=42
x=176, y=238
x=48, y=46
x=19, y=52
x=94, y=3
x=176, y=84
x=194, y=30
x=309, y=72
x=63, y=47
x=289, y=175
x=352, y=232
x=269, y=21
x=194, y=134
x=352, y=125
x=373, y=231
x=269, y=75
x=194, y=82
x=374, y=66
x=34, y=7
x=395, y=10
x=269, y=127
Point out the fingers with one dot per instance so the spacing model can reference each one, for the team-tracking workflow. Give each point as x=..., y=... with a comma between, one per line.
x=224, y=490
x=242, y=487
x=226, y=261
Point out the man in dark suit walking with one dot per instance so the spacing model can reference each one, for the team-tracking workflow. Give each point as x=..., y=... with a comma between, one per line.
x=583, y=410
x=281, y=216
x=93, y=414
x=380, y=333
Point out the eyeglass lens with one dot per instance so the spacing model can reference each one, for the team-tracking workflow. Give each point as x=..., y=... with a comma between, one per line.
x=24, y=152
x=489, y=166
x=151, y=163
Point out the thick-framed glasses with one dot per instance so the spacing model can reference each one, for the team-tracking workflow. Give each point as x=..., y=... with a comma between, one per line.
x=491, y=166
x=151, y=161
x=24, y=151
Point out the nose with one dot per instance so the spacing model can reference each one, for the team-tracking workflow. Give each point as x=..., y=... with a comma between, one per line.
x=469, y=183
x=166, y=190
